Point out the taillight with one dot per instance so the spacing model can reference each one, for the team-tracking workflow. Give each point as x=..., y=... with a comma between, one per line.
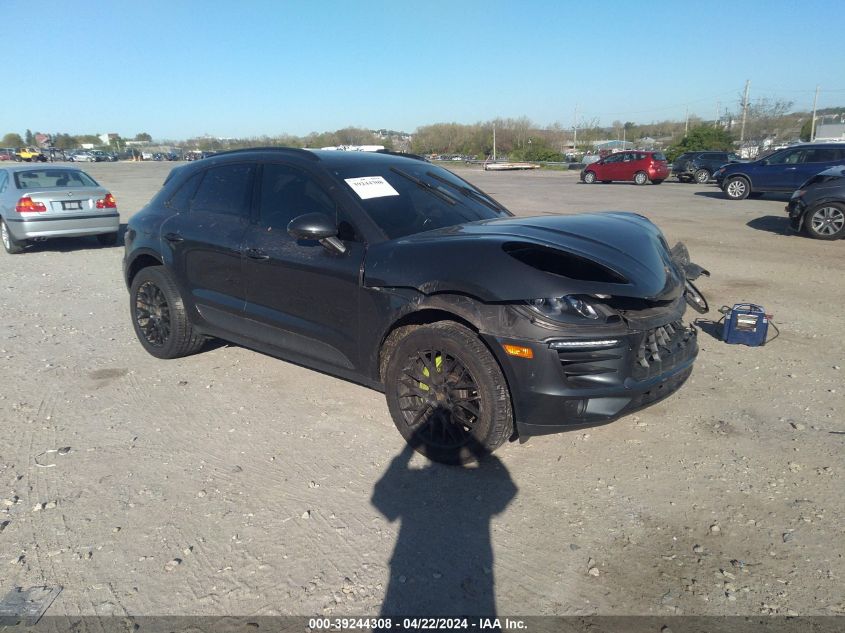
x=107, y=203
x=28, y=205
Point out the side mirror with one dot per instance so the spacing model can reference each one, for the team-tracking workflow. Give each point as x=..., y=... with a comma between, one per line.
x=319, y=227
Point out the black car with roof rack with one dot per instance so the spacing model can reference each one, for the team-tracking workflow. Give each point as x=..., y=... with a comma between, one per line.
x=700, y=166
x=397, y=274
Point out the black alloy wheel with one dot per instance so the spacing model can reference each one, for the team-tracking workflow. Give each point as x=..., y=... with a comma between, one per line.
x=702, y=176
x=159, y=316
x=152, y=314
x=446, y=393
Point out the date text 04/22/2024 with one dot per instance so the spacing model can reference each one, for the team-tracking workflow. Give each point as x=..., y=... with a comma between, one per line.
x=415, y=624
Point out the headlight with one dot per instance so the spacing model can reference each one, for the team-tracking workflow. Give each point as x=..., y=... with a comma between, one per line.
x=570, y=305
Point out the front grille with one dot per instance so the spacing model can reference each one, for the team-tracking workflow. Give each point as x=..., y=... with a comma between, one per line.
x=589, y=367
x=663, y=348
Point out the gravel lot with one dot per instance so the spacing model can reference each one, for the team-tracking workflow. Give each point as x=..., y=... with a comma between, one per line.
x=234, y=483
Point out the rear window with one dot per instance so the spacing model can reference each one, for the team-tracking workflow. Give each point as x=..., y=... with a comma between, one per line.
x=658, y=156
x=51, y=178
x=413, y=197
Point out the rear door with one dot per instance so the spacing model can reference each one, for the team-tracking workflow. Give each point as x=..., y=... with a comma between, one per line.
x=302, y=297
x=205, y=240
x=817, y=159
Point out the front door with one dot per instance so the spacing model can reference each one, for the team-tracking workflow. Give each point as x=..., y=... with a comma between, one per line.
x=302, y=297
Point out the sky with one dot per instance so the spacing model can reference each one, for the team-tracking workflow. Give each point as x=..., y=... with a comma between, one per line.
x=240, y=68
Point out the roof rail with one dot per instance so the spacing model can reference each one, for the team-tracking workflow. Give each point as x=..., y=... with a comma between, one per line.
x=287, y=150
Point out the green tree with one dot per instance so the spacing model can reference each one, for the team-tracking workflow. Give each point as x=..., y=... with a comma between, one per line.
x=28, y=138
x=12, y=139
x=700, y=138
x=806, y=129
x=143, y=136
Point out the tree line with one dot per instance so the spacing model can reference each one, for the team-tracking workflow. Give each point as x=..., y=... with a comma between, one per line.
x=518, y=138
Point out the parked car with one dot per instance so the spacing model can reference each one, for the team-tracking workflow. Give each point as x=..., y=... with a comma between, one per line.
x=818, y=206
x=700, y=166
x=30, y=155
x=397, y=274
x=783, y=170
x=640, y=167
x=84, y=157
x=37, y=203
x=7, y=153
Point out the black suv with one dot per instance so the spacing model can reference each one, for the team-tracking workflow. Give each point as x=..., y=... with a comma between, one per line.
x=818, y=206
x=700, y=166
x=394, y=273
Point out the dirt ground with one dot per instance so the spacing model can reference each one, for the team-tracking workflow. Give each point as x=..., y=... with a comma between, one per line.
x=231, y=482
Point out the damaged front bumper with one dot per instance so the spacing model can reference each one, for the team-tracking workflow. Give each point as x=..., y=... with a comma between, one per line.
x=572, y=382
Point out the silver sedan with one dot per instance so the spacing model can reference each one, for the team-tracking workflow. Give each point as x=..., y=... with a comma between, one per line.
x=37, y=203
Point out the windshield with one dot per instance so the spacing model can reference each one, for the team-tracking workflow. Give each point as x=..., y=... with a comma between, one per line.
x=409, y=197
x=48, y=178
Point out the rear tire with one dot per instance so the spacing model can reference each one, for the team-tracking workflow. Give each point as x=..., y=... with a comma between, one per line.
x=826, y=222
x=640, y=178
x=12, y=246
x=159, y=316
x=446, y=393
x=702, y=176
x=589, y=177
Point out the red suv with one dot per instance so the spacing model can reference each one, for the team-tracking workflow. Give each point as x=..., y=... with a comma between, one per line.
x=637, y=166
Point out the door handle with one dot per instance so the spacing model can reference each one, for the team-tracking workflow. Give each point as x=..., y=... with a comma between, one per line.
x=254, y=253
x=174, y=237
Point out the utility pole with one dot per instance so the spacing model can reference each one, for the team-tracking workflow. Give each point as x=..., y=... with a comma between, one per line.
x=813, y=124
x=718, y=106
x=686, y=120
x=494, y=142
x=744, y=111
x=575, y=130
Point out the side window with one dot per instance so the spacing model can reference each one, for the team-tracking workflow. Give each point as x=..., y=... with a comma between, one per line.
x=787, y=158
x=615, y=158
x=226, y=190
x=821, y=155
x=4, y=182
x=288, y=192
x=181, y=200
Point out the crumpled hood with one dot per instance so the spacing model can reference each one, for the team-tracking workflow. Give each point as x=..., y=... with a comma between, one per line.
x=513, y=259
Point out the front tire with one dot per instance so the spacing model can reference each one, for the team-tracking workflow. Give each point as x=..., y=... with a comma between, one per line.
x=702, y=176
x=590, y=177
x=159, y=316
x=826, y=222
x=737, y=188
x=640, y=178
x=12, y=246
x=446, y=393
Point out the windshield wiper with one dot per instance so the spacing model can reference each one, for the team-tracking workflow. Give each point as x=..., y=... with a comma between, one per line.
x=469, y=193
x=424, y=185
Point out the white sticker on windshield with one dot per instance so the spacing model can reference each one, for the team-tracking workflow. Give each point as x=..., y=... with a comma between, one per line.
x=371, y=187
